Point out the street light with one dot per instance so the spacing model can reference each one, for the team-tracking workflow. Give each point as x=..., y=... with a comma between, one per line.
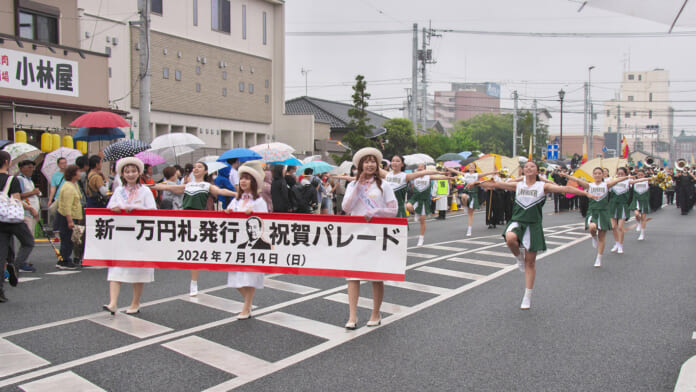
x=561, y=95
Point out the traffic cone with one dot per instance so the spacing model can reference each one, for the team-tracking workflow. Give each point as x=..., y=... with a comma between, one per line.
x=454, y=206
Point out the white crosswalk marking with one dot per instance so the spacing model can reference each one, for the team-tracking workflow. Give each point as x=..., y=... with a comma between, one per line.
x=554, y=242
x=14, y=359
x=67, y=381
x=25, y=280
x=447, y=272
x=478, y=262
x=563, y=237
x=62, y=273
x=367, y=303
x=475, y=242
x=215, y=302
x=421, y=255
x=305, y=325
x=130, y=325
x=289, y=287
x=493, y=253
x=218, y=356
x=418, y=287
x=448, y=248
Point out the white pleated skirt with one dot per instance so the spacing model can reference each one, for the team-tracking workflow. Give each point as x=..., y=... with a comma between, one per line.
x=245, y=279
x=131, y=275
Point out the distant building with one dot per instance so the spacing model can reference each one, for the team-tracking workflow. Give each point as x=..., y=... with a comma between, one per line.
x=684, y=147
x=573, y=144
x=464, y=101
x=642, y=112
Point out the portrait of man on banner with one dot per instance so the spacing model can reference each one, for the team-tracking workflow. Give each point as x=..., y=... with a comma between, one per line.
x=254, y=229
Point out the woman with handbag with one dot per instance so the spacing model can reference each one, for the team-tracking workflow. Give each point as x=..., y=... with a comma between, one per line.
x=12, y=223
x=69, y=214
x=96, y=189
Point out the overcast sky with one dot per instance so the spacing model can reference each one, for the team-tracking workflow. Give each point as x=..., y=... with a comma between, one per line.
x=535, y=67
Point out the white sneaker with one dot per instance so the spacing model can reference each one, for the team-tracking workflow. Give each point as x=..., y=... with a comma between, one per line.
x=615, y=248
x=594, y=241
x=598, y=262
x=468, y=232
x=641, y=237
x=526, y=303
x=520, y=260
x=638, y=228
x=620, y=250
x=420, y=242
x=193, y=289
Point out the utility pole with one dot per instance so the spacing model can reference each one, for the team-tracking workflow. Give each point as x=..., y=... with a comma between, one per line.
x=305, y=72
x=591, y=114
x=534, y=126
x=618, y=127
x=591, y=128
x=514, y=125
x=426, y=57
x=414, y=80
x=144, y=73
x=586, y=122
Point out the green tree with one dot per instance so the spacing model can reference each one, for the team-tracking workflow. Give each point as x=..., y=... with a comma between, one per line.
x=492, y=132
x=399, y=139
x=357, y=137
x=524, y=128
x=433, y=143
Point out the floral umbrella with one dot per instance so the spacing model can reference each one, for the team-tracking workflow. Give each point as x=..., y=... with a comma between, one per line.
x=124, y=148
x=274, y=146
x=50, y=163
x=20, y=152
x=150, y=158
x=452, y=164
x=415, y=159
x=273, y=152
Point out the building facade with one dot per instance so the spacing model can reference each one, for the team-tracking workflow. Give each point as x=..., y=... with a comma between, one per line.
x=464, y=101
x=642, y=112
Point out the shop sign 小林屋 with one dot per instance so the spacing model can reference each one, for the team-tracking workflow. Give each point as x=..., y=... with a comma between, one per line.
x=38, y=73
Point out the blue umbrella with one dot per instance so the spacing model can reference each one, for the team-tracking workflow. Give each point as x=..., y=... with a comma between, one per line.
x=91, y=134
x=317, y=166
x=288, y=162
x=243, y=154
x=465, y=154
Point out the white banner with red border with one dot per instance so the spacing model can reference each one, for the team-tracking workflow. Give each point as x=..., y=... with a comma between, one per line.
x=299, y=244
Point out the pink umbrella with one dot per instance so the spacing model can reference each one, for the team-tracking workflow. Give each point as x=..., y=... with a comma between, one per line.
x=100, y=119
x=452, y=164
x=150, y=158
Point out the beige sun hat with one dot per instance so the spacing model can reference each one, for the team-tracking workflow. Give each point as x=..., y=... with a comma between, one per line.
x=254, y=169
x=129, y=161
x=363, y=152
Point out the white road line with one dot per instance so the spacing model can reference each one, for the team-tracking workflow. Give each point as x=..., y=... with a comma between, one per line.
x=554, y=242
x=420, y=255
x=418, y=287
x=474, y=242
x=14, y=359
x=130, y=325
x=215, y=302
x=447, y=272
x=492, y=253
x=289, y=287
x=25, y=280
x=561, y=237
x=67, y=381
x=218, y=356
x=304, y=325
x=63, y=273
x=693, y=336
x=367, y=303
x=449, y=248
x=478, y=262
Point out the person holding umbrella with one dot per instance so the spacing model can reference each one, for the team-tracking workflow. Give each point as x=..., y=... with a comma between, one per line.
x=196, y=194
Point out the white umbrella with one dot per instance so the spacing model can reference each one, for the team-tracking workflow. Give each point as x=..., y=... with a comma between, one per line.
x=20, y=152
x=172, y=145
x=209, y=158
x=311, y=158
x=274, y=146
x=50, y=163
x=669, y=12
x=343, y=168
x=415, y=159
x=214, y=166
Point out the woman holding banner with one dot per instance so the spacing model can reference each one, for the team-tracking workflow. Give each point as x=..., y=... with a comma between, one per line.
x=524, y=235
x=367, y=196
x=248, y=200
x=196, y=194
x=127, y=197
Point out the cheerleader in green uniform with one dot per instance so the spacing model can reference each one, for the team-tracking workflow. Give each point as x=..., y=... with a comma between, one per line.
x=471, y=189
x=419, y=203
x=524, y=234
x=598, y=220
x=640, y=202
x=398, y=181
x=619, y=209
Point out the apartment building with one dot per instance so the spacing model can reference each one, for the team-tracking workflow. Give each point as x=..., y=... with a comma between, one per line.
x=464, y=101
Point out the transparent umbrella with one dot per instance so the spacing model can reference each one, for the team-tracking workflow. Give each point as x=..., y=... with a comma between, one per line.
x=20, y=152
x=172, y=145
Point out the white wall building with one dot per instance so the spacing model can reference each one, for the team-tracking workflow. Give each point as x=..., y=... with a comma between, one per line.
x=217, y=66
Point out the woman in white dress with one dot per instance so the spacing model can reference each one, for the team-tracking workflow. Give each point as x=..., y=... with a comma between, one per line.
x=248, y=200
x=367, y=196
x=130, y=196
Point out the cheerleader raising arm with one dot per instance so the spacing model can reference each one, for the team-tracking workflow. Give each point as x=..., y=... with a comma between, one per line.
x=551, y=187
x=637, y=180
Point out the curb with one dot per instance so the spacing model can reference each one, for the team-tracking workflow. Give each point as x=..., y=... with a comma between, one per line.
x=686, y=382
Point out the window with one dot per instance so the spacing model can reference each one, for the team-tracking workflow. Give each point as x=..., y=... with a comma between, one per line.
x=224, y=75
x=264, y=28
x=267, y=83
x=198, y=87
x=630, y=98
x=177, y=75
x=157, y=7
x=630, y=77
x=195, y=12
x=608, y=113
x=224, y=91
x=39, y=27
x=265, y=98
x=243, y=21
x=627, y=114
x=241, y=86
x=165, y=73
x=251, y=88
x=640, y=77
x=650, y=97
x=220, y=14
x=650, y=114
x=198, y=69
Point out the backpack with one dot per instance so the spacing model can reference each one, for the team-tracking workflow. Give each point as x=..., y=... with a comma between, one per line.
x=303, y=198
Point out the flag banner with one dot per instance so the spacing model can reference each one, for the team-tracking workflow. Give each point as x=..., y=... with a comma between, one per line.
x=299, y=244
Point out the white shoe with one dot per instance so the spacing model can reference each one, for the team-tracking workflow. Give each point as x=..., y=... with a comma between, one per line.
x=598, y=262
x=420, y=242
x=594, y=241
x=638, y=228
x=615, y=248
x=620, y=250
x=641, y=237
x=193, y=289
x=468, y=232
x=520, y=260
x=526, y=303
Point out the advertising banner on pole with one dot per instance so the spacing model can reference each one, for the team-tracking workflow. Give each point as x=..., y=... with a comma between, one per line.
x=300, y=244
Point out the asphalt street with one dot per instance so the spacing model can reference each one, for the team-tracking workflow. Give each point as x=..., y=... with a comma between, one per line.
x=455, y=324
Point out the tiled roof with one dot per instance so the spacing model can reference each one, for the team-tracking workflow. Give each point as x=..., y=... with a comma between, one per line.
x=335, y=113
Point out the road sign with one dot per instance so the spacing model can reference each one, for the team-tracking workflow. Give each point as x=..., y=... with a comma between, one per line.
x=552, y=151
